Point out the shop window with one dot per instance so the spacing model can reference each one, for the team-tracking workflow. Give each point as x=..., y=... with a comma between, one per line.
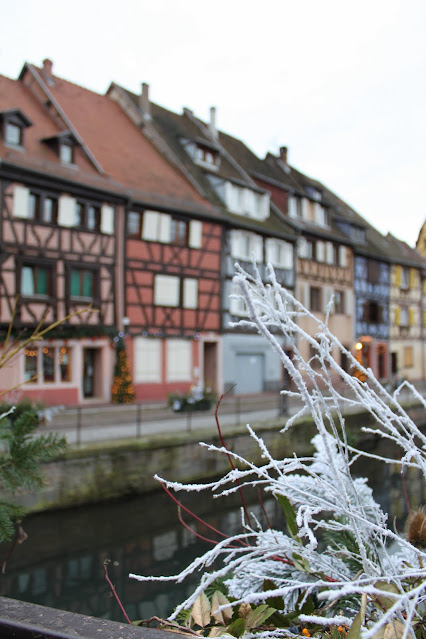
x=47, y=364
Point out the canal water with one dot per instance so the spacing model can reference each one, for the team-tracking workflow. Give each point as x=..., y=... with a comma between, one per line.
x=62, y=563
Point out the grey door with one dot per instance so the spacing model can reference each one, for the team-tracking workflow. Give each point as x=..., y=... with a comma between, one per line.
x=249, y=373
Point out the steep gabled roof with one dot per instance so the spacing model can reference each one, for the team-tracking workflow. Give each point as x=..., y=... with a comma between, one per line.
x=176, y=130
x=111, y=146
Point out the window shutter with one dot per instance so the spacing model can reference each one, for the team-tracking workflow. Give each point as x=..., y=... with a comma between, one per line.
x=235, y=244
x=302, y=247
x=424, y=318
x=342, y=256
x=326, y=296
x=320, y=251
x=165, y=228
x=292, y=206
x=21, y=201
x=257, y=247
x=190, y=293
x=195, y=233
x=412, y=278
x=270, y=250
x=67, y=211
x=398, y=275
x=305, y=208
x=305, y=295
x=288, y=255
x=411, y=316
x=150, y=226
x=349, y=302
x=398, y=316
x=329, y=252
x=318, y=214
x=166, y=292
x=107, y=219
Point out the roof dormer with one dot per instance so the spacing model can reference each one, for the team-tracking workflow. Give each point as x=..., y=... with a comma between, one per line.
x=203, y=152
x=63, y=144
x=13, y=125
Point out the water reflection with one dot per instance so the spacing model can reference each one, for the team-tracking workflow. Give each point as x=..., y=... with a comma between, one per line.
x=61, y=564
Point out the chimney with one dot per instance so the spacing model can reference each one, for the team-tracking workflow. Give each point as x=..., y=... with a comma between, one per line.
x=283, y=154
x=212, y=123
x=144, y=103
x=47, y=67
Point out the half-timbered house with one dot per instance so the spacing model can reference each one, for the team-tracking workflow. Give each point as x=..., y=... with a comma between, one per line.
x=147, y=254
x=406, y=316
x=250, y=227
x=324, y=254
x=58, y=223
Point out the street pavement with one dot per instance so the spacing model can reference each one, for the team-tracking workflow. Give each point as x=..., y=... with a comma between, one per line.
x=102, y=423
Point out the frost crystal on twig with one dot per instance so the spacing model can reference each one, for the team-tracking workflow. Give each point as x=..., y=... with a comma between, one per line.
x=338, y=561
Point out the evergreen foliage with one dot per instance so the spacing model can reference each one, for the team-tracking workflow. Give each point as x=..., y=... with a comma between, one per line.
x=22, y=451
x=122, y=387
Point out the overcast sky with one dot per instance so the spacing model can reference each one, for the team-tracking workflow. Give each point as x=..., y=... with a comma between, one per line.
x=342, y=84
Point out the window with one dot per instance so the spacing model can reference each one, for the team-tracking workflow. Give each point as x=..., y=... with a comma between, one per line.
x=49, y=210
x=13, y=124
x=147, y=360
x=82, y=283
x=237, y=305
x=35, y=205
x=179, y=232
x=373, y=271
x=36, y=280
x=246, y=201
x=87, y=216
x=178, y=360
x=405, y=281
x=13, y=134
x=244, y=245
x=408, y=357
x=315, y=299
x=294, y=206
x=66, y=153
x=205, y=155
x=372, y=312
x=279, y=253
x=157, y=227
x=47, y=364
x=93, y=218
x=339, y=302
x=166, y=290
x=403, y=317
x=170, y=290
x=134, y=223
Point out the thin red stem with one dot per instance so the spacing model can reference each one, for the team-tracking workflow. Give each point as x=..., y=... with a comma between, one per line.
x=114, y=592
x=243, y=501
x=170, y=494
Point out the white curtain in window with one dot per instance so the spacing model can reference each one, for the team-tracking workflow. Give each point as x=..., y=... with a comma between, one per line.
x=342, y=256
x=320, y=251
x=329, y=253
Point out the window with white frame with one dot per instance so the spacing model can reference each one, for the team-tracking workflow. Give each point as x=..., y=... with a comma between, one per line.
x=47, y=364
x=279, y=253
x=178, y=360
x=237, y=305
x=147, y=360
x=245, y=244
x=246, y=201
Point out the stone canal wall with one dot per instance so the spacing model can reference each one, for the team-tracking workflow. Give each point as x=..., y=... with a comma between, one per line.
x=113, y=470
